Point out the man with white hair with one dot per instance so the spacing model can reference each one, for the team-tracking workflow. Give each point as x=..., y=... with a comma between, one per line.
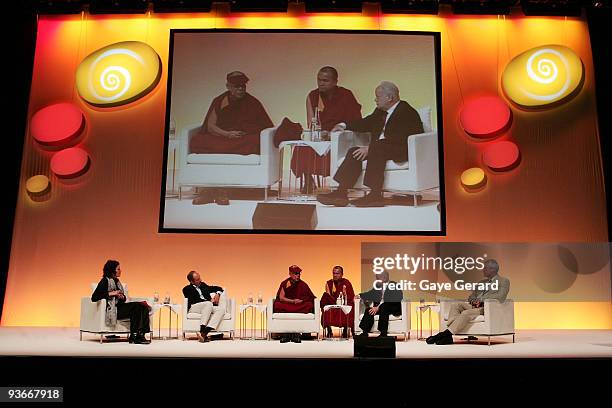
x=389, y=126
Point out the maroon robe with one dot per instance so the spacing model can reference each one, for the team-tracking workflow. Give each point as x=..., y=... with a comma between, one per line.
x=339, y=106
x=336, y=317
x=246, y=114
x=297, y=290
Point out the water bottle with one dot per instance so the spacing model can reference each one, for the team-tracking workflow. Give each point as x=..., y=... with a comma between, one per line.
x=339, y=300
x=156, y=297
x=259, y=298
x=250, y=299
x=172, y=129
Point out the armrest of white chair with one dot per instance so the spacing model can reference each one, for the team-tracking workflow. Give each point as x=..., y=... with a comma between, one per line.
x=231, y=307
x=185, y=137
x=499, y=317
x=92, y=314
x=268, y=152
x=423, y=159
x=406, y=311
x=185, y=311
x=270, y=310
x=357, y=315
x=341, y=142
x=317, y=309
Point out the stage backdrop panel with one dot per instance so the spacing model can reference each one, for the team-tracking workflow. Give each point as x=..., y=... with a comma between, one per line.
x=555, y=194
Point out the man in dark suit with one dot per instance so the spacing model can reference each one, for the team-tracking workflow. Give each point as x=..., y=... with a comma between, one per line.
x=386, y=302
x=389, y=126
x=205, y=300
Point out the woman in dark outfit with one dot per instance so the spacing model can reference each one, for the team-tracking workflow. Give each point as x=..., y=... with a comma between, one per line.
x=110, y=288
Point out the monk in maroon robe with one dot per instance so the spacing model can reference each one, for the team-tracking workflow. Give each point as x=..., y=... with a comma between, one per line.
x=336, y=317
x=294, y=295
x=332, y=104
x=233, y=122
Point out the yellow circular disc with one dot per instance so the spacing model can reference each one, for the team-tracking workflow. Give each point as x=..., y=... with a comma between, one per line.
x=473, y=178
x=37, y=184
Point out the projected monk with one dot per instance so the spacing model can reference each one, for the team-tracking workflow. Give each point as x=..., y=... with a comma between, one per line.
x=329, y=104
x=293, y=296
x=337, y=287
x=233, y=122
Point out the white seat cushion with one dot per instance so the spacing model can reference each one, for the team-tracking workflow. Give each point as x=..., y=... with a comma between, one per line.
x=293, y=316
x=391, y=317
x=196, y=316
x=390, y=166
x=248, y=160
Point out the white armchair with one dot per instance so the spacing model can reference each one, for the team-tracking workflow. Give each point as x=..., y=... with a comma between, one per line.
x=420, y=173
x=497, y=320
x=191, y=321
x=294, y=322
x=398, y=325
x=93, y=316
x=228, y=170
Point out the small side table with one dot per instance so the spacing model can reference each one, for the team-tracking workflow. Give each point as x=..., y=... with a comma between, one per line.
x=346, y=309
x=288, y=187
x=421, y=309
x=251, y=309
x=172, y=309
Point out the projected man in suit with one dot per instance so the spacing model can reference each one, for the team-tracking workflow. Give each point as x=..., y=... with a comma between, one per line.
x=462, y=313
x=207, y=300
x=389, y=126
x=386, y=302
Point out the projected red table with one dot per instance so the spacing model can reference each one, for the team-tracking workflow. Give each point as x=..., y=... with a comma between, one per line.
x=308, y=159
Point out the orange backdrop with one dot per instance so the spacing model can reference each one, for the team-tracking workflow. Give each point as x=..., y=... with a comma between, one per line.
x=60, y=245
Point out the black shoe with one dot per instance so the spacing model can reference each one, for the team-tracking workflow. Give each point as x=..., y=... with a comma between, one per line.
x=371, y=200
x=141, y=339
x=284, y=339
x=203, y=337
x=383, y=335
x=132, y=338
x=470, y=338
x=337, y=198
x=362, y=334
x=433, y=339
x=444, y=340
x=296, y=338
x=204, y=197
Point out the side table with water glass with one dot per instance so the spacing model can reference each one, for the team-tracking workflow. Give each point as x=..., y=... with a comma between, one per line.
x=346, y=309
x=421, y=309
x=253, y=310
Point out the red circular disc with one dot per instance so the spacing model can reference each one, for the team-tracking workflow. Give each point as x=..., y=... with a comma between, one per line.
x=501, y=156
x=70, y=162
x=57, y=124
x=485, y=116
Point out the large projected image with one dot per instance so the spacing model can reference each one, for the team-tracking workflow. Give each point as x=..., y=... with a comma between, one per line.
x=318, y=131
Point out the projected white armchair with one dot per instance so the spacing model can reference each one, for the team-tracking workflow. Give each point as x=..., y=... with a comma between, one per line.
x=398, y=325
x=191, y=321
x=497, y=320
x=294, y=322
x=228, y=170
x=420, y=173
x=93, y=316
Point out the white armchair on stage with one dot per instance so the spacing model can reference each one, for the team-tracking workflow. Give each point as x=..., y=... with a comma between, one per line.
x=228, y=170
x=93, y=316
x=398, y=325
x=191, y=321
x=420, y=173
x=497, y=320
x=294, y=322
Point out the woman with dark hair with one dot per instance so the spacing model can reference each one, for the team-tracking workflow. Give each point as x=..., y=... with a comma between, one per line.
x=110, y=288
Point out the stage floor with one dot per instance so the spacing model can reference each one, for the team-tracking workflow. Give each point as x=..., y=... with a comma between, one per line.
x=29, y=341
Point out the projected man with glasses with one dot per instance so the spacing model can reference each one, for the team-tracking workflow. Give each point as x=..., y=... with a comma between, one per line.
x=233, y=121
x=389, y=126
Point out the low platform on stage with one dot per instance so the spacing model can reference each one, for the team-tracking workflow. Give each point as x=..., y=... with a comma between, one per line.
x=64, y=342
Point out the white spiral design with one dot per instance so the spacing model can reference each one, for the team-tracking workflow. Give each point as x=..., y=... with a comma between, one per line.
x=113, y=76
x=547, y=73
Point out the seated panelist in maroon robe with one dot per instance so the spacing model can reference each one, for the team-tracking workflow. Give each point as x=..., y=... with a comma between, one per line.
x=336, y=317
x=233, y=122
x=294, y=295
x=335, y=104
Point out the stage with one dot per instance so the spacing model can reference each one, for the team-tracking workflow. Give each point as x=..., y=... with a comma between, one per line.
x=64, y=342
